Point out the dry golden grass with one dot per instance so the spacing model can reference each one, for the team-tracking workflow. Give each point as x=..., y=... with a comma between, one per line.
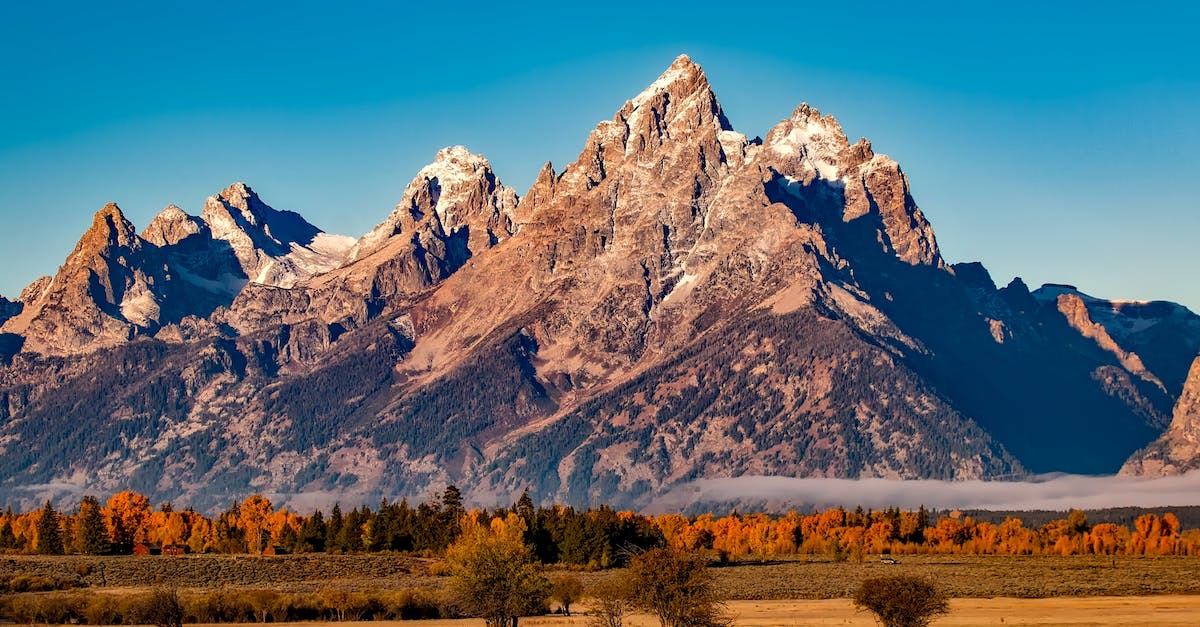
x=1152, y=611
x=971, y=576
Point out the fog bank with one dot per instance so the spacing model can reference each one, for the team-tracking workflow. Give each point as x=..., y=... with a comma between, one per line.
x=1051, y=492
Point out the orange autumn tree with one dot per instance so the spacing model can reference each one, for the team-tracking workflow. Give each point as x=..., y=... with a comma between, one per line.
x=126, y=515
x=254, y=517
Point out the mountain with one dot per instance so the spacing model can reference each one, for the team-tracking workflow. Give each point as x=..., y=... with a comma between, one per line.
x=679, y=302
x=454, y=209
x=8, y=309
x=1178, y=449
x=117, y=285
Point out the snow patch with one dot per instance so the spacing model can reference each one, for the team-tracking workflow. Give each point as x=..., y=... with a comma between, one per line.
x=661, y=84
x=139, y=306
x=682, y=287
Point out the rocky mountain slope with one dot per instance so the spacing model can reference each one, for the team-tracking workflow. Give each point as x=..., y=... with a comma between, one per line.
x=1176, y=451
x=679, y=302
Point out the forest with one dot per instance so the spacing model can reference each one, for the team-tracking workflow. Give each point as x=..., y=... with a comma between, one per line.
x=594, y=538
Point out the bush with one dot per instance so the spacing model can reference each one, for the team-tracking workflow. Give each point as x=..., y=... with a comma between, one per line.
x=610, y=604
x=494, y=574
x=412, y=605
x=50, y=609
x=24, y=582
x=162, y=608
x=158, y=607
x=677, y=588
x=102, y=609
x=902, y=600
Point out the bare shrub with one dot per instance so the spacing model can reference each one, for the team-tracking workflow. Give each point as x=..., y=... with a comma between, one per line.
x=162, y=607
x=610, y=604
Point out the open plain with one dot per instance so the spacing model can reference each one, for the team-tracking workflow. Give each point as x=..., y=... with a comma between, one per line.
x=963, y=576
x=986, y=590
x=1141, y=611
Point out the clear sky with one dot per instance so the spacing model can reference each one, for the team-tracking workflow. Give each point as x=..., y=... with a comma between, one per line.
x=1056, y=141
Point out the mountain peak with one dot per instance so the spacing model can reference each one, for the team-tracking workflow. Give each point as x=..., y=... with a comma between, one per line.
x=237, y=190
x=682, y=79
x=171, y=226
x=683, y=60
x=109, y=228
x=455, y=165
x=460, y=193
x=238, y=197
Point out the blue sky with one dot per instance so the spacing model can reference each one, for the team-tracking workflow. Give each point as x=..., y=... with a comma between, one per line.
x=1057, y=143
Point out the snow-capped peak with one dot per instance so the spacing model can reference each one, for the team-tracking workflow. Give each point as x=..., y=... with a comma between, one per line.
x=815, y=140
x=453, y=186
x=683, y=68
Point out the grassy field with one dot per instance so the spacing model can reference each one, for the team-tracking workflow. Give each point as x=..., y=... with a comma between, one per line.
x=1038, y=590
x=962, y=576
x=1153, y=611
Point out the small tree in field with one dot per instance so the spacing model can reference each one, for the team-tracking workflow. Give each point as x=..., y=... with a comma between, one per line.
x=494, y=575
x=677, y=588
x=902, y=600
x=610, y=604
x=566, y=590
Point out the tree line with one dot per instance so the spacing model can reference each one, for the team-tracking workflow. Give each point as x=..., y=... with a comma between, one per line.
x=592, y=538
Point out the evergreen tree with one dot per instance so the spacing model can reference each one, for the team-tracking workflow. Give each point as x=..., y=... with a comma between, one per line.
x=524, y=507
x=91, y=536
x=333, y=529
x=452, y=513
x=350, y=536
x=312, y=534
x=8, y=539
x=49, y=534
x=427, y=528
x=405, y=520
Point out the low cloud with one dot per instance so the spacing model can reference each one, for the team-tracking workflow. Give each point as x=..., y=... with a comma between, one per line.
x=1050, y=492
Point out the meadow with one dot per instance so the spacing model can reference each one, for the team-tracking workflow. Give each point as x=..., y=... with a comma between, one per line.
x=963, y=576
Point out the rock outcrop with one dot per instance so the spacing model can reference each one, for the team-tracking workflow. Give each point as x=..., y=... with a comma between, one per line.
x=9, y=309
x=275, y=248
x=1178, y=450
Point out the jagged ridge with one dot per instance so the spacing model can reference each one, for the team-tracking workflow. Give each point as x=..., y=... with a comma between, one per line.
x=678, y=302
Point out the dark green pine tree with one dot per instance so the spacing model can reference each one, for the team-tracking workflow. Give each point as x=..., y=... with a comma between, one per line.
x=524, y=508
x=91, y=536
x=312, y=534
x=452, y=513
x=8, y=539
x=349, y=538
x=333, y=529
x=49, y=534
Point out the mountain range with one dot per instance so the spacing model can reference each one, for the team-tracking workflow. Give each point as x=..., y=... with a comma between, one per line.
x=680, y=302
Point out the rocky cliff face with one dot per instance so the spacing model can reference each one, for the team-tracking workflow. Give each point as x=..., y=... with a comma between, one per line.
x=275, y=248
x=9, y=309
x=1178, y=450
x=678, y=302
